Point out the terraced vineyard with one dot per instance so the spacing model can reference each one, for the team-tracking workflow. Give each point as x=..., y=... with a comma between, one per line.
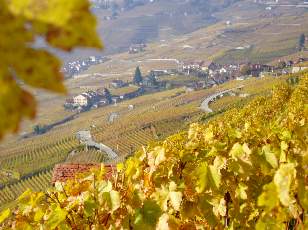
x=39, y=182
x=26, y=161
x=84, y=156
x=153, y=118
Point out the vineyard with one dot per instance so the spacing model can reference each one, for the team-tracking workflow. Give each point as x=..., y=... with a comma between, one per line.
x=153, y=118
x=26, y=160
x=245, y=169
x=39, y=182
x=86, y=156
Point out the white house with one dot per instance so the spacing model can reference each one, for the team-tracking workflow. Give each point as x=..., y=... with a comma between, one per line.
x=192, y=65
x=223, y=70
x=81, y=100
x=300, y=67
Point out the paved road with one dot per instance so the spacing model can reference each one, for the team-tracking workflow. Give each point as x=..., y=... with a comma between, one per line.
x=205, y=104
x=86, y=138
x=104, y=148
x=111, y=154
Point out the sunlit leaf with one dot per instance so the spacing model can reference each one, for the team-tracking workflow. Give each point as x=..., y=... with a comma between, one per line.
x=61, y=24
x=56, y=217
x=283, y=178
x=4, y=215
x=269, y=197
x=176, y=199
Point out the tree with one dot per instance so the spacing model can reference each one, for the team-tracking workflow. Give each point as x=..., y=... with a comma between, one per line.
x=301, y=42
x=63, y=25
x=137, y=77
x=245, y=70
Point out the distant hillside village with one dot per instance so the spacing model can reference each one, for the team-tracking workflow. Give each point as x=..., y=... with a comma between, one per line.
x=76, y=67
x=221, y=73
x=119, y=4
x=209, y=74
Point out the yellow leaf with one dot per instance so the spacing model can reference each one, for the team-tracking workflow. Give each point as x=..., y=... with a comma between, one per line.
x=62, y=24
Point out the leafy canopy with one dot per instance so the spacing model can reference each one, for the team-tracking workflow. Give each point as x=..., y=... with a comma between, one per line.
x=62, y=25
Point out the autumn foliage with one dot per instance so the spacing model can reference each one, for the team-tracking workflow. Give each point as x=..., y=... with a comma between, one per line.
x=60, y=24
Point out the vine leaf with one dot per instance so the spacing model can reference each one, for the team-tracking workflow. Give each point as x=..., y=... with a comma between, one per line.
x=283, y=178
x=4, y=215
x=60, y=24
x=56, y=217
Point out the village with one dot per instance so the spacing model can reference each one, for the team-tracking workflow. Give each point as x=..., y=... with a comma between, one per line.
x=76, y=67
x=208, y=74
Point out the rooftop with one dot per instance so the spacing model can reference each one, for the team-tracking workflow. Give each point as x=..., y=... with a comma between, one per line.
x=67, y=171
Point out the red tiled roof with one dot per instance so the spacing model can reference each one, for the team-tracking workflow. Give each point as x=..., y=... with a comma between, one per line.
x=64, y=172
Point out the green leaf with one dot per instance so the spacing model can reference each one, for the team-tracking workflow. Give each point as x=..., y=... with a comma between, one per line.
x=269, y=197
x=112, y=199
x=4, y=215
x=56, y=217
x=237, y=151
x=115, y=200
x=283, y=179
x=269, y=223
x=161, y=196
x=206, y=208
x=270, y=156
x=90, y=206
x=147, y=217
x=303, y=193
x=104, y=186
x=202, y=179
x=241, y=191
x=215, y=176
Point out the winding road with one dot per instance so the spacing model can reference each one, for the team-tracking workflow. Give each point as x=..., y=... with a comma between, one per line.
x=205, y=104
x=85, y=137
x=111, y=154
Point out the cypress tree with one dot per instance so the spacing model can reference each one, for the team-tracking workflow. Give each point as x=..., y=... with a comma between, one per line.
x=138, y=77
x=301, y=42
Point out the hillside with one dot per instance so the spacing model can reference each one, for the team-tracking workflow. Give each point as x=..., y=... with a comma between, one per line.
x=244, y=169
x=172, y=25
x=270, y=36
x=154, y=117
x=194, y=116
